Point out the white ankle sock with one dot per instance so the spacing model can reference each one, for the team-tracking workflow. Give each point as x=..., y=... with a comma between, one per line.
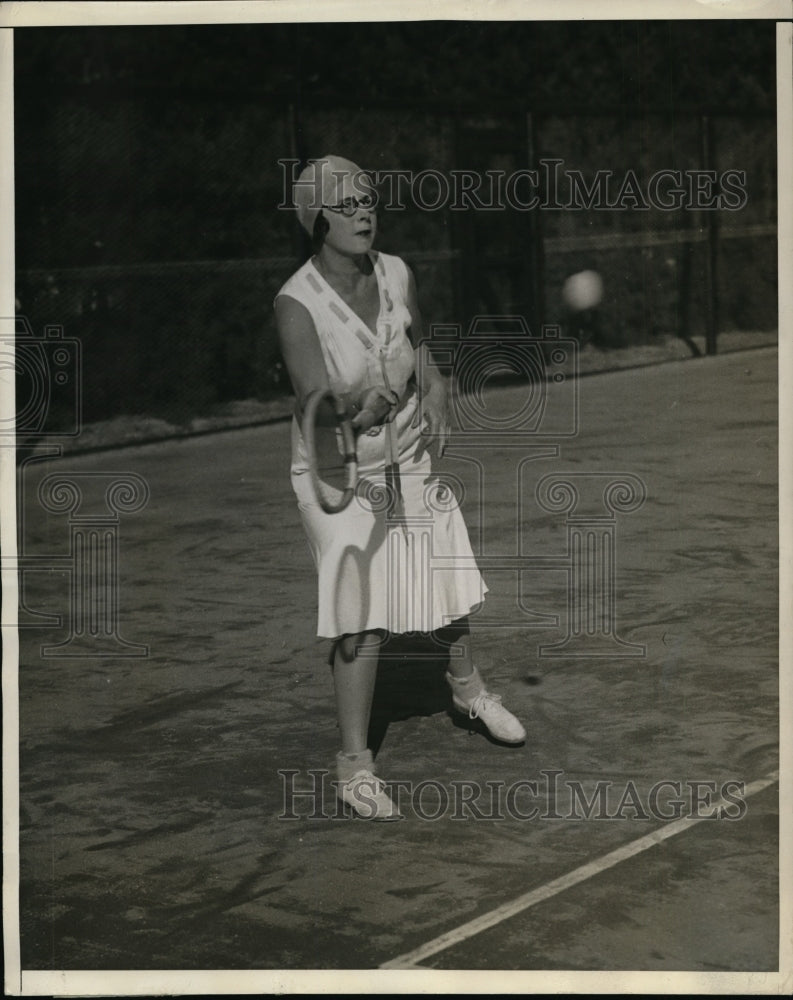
x=348, y=763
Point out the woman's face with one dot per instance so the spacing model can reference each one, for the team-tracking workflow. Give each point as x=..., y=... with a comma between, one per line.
x=351, y=216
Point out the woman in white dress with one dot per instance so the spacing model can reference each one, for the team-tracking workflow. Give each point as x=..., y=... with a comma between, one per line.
x=348, y=321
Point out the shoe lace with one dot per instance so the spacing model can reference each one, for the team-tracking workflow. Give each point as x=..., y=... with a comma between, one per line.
x=365, y=775
x=480, y=703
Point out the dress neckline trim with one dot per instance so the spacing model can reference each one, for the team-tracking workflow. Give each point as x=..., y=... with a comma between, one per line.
x=376, y=267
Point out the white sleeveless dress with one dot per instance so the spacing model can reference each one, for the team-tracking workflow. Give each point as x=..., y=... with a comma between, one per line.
x=374, y=574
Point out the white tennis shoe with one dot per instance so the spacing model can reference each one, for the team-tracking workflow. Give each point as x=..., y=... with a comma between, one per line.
x=469, y=695
x=359, y=788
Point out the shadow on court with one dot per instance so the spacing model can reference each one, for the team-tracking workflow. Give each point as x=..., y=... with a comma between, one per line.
x=177, y=810
x=410, y=683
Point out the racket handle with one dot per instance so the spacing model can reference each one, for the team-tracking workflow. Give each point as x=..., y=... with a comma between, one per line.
x=391, y=436
x=348, y=441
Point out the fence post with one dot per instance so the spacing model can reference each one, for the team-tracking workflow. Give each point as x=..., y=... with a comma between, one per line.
x=464, y=246
x=537, y=249
x=708, y=159
x=302, y=242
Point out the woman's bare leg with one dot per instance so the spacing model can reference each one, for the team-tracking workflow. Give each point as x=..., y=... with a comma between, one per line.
x=354, y=675
x=469, y=691
x=458, y=637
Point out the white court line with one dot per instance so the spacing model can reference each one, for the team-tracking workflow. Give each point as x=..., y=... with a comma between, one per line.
x=411, y=958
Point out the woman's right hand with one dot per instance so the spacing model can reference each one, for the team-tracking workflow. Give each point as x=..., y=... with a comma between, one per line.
x=377, y=406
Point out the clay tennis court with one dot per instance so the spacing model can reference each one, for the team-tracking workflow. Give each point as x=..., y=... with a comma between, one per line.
x=155, y=833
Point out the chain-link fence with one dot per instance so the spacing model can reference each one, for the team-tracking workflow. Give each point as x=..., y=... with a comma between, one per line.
x=152, y=230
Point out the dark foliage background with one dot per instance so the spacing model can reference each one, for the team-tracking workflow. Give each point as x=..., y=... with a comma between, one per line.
x=147, y=181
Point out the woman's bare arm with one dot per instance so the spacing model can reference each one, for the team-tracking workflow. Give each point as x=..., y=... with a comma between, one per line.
x=302, y=354
x=300, y=350
x=433, y=385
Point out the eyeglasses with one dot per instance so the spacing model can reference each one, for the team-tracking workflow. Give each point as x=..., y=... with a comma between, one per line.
x=349, y=206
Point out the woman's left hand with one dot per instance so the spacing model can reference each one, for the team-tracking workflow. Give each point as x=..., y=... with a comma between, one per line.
x=433, y=413
x=378, y=405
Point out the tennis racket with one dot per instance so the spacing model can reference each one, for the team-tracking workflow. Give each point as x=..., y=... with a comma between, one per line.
x=309, y=428
x=396, y=510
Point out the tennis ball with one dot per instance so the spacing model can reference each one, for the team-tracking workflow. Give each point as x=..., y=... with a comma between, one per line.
x=582, y=291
